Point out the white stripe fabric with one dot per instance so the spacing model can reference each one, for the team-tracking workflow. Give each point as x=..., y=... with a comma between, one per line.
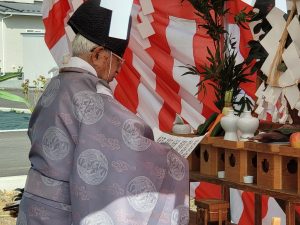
x=149, y=105
x=234, y=31
x=186, y=82
x=147, y=75
x=47, y=6
x=135, y=35
x=236, y=205
x=61, y=50
x=180, y=35
x=274, y=210
x=74, y=5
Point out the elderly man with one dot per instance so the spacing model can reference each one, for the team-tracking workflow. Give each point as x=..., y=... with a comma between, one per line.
x=93, y=161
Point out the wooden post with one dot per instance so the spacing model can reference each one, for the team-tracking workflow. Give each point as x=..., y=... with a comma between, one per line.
x=258, y=207
x=226, y=197
x=220, y=211
x=290, y=213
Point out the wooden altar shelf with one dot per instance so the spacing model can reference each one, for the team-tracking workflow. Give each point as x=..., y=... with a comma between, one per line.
x=269, y=171
x=278, y=165
x=289, y=151
x=290, y=196
x=194, y=160
x=290, y=167
x=211, y=158
x=275, y=168
x=269, y=164
x=239, y=164
x=221, y=143
x=261, y=147
x=211, y=210
x=290, y=173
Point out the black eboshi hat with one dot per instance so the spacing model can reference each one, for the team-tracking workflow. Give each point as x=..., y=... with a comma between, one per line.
x=93, y=22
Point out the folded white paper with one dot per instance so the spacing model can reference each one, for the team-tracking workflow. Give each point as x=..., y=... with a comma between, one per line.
x=292, y=95
x=136, y=41
x=281, y=4
x=183, y=145
x=298, y=6
x=251, y=26
x=147, y=6
x=259, y=91
x=259, y=109
x=294, y=31
x=121, y=10
x=292, y=60
x=286, y=79
x=145, y=29
x=272, y=94
x=275, y=116
x=283, y=119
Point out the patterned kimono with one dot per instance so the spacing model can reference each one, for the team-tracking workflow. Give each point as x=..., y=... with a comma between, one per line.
x=94, y=162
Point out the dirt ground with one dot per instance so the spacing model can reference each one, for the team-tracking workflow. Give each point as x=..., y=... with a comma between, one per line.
x=5, y=218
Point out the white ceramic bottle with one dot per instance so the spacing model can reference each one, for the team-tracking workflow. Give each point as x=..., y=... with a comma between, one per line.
x=247, y=124
x=229, y=124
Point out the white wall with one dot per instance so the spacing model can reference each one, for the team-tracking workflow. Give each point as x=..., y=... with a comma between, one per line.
x=37, y=59
x=12, y=42
x=24, y=46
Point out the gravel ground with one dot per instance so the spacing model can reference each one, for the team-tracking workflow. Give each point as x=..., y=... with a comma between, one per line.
x=5, y=218
x=6, y=196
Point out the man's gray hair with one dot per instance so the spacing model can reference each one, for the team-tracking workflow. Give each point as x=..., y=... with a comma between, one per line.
x=81, y=45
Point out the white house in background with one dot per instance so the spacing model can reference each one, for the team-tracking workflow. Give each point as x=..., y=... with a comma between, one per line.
x=22, y=39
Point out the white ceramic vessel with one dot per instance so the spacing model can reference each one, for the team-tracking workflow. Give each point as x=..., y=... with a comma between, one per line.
x=247, y=125
x=181, y=129
x=248, y=179
x=229, y=124
x=221, y=174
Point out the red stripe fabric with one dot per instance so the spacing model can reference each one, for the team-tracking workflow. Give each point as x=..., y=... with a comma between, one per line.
x=264, y=202
x=246, y=35
x=177, y=8
x=166, y=87
x=128, y=82
x=247, y=216
x=55, y=22
x=208, y=191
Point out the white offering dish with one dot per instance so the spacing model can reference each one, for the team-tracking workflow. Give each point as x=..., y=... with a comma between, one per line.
x=248, y=179
x=221, y=174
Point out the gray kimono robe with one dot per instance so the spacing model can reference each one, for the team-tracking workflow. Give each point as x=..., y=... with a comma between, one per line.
x=94, y=162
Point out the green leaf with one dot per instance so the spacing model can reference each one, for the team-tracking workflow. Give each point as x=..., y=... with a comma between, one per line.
x=15, y=98
x=8, y=76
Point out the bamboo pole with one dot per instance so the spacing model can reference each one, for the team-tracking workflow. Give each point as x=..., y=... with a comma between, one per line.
x=274, y=74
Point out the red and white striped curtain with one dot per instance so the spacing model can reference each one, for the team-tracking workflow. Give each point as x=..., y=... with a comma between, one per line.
x=151, y=84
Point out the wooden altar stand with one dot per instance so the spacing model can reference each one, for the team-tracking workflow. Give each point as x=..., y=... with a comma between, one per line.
x=275, y=168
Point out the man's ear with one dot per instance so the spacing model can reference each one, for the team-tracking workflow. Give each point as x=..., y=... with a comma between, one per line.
x=96, y=53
